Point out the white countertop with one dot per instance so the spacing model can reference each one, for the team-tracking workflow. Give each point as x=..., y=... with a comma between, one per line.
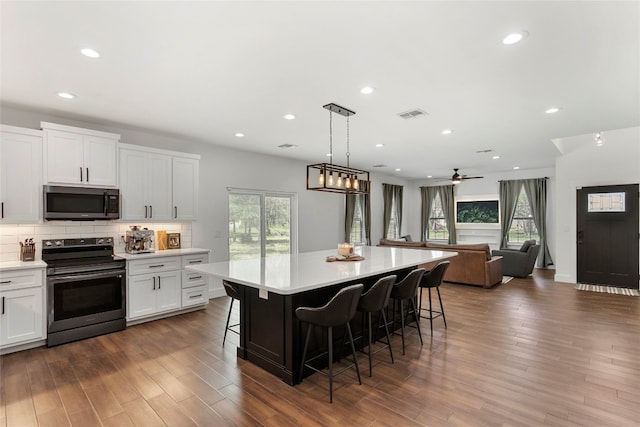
x=290, y=274
x=168, y=252
x=21, y=265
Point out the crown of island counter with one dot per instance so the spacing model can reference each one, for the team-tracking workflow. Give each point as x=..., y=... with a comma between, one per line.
x=271, y=289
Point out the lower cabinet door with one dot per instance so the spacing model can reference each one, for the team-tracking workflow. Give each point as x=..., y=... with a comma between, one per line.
x=21, y=319
x=169, y=290
x=142, y=295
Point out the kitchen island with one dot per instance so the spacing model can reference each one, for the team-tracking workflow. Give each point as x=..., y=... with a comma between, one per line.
x=272, y=288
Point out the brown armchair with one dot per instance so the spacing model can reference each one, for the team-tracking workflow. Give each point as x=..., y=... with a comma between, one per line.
x=518, y=262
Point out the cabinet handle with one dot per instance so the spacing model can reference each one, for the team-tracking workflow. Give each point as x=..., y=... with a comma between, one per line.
x=2, y=209
x=87, y=174
x=150, y=211
x=145, y=211
x=195, y=261
x=80, y=173
x=5, y=282
x=176, y=212
x=3, y=305
x=195, y=296
x=154, y=283
x=156, y=266
x=195, y=277
x=158, y=282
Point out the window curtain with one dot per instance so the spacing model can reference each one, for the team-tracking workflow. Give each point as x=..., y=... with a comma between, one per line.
x=509, y=191
x=351, y=201
x=391, y=193
x=447, y=198
x=536, y=190
x=427, y=194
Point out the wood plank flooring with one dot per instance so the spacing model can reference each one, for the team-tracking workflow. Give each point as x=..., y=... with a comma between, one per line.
x=530, y=352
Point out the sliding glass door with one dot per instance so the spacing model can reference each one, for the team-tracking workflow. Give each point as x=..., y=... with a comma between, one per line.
x=261, y=224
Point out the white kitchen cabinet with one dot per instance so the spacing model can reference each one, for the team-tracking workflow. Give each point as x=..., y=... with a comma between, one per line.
x=79, y=156
x=158, y=184
x=22, y=307
x=185, y=188
x=20, y=174
x=154, y=293
x=145, y=185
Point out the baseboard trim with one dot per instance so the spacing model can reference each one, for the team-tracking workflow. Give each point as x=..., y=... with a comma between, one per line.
x=565, y=278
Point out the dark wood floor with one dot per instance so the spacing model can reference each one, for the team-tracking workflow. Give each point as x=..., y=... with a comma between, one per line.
x=530, y=352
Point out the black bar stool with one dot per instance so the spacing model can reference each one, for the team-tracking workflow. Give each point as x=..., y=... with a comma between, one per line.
x=433, y=279
x=233, y=293
x=405, y=290
x=337, y=312
x=375, y=300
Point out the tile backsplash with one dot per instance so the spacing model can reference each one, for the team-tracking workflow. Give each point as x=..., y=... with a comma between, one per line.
x=12, y=235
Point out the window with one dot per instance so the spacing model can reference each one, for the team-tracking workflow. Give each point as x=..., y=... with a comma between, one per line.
x=393, y=232
x=522, y=227
x=357, y=235
x=437, y=225
x=261, y=224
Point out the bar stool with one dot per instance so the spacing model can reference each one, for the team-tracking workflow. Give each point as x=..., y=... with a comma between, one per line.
x=337, y=312
x=233, y=293
x=433, y=279
x=375, y=300
x=405, y=290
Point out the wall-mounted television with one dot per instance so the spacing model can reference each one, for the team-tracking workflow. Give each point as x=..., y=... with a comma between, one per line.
x=477, y=212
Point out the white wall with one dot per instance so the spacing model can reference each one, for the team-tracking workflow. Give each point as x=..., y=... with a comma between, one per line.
x=489, y=186
x=584, y=164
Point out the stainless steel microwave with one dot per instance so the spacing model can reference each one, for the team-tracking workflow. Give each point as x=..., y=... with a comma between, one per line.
x=81, y=203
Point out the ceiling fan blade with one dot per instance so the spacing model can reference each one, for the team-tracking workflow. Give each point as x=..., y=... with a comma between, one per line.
x=471, y=177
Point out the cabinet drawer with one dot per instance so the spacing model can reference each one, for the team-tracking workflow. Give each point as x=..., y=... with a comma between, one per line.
x=194, y=259
x=153, y=265
x=18, y=279
x=190, y=279
x=194, y=296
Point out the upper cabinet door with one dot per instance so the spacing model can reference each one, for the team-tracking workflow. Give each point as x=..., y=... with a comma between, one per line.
x=133, y=188
x=158, y=174
x=64, y=154
x=185, y=188
x=20, y=175
x=100, y=161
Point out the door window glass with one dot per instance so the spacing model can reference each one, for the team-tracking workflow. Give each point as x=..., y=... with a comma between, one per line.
x=606, y=202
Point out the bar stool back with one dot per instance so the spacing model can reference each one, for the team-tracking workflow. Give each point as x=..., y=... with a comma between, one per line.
x=433, y=279
x=405, y=290
x=233, y=293
x=375, y=300
x=337, y=312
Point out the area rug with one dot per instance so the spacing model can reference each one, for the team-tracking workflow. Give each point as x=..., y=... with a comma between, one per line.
x=506, y=279
x=608, y=289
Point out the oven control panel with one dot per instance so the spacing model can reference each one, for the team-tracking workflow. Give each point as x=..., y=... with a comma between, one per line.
x=88, y=241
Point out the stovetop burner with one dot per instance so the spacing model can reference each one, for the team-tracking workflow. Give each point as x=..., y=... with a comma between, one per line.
x=65, y=256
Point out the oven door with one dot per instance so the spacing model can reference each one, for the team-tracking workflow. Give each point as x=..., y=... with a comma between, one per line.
x=82, y=299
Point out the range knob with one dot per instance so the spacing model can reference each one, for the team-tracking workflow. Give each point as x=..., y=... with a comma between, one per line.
x=58, y=242
x=48, y=243
x=100, y=241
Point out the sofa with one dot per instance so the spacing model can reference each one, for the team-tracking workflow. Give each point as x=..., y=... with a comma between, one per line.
x=474, y=264
x=519, y=262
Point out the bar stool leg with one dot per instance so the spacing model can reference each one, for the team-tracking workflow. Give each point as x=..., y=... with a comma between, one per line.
x=353, y=351
x=369, y=342
x=430, y=312
x=330, y=338
x=442, y=307
x=304, y=352
x=413, y=305
x=226, y=328
x=402, y=324
x=386, y=330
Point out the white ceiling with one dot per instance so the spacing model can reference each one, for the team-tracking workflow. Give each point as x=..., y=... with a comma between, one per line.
x=207, y=70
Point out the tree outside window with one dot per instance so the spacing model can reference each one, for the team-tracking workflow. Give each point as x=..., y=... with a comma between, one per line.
x=394, y=230
x=522, y=227
x=437, y=225
x=357, y=226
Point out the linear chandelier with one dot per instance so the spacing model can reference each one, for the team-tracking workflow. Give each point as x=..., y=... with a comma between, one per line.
x=334, y=178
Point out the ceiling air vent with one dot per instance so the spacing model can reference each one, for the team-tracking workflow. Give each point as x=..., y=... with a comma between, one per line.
x=412, y=114
x=484, y=151
x=379, y=166
x=287, y=146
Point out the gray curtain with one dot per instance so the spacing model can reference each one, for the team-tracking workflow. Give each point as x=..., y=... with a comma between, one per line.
x=509, y=191
x=427, y=194
x=391, y=193
x=536, y=190
x=446, y=198
x=351, y=201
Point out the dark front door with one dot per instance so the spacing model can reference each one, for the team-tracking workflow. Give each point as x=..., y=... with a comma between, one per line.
x=607, y=220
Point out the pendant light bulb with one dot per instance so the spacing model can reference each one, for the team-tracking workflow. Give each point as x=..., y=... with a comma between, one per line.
x=355, y=183
x=331, y=179
x=339, y=184
x=321, y=177
x=347, y=182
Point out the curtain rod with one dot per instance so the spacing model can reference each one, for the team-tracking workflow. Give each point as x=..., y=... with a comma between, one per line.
x=505, y=180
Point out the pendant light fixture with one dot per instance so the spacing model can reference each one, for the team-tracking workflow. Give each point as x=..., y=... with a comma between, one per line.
x=334, y=178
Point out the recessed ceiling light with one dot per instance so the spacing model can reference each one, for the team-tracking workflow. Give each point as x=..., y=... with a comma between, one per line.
x=495, y=157
x=447, y=131
x=552, y=110
x=429, y=176
x=328, y=154
x=398, y=169
x=516, y=168
x=90, y=53
x=239, y=134
x=514, y=38
x=289, y=116
x=66, y=95
x=367, y=90
x=379, y=145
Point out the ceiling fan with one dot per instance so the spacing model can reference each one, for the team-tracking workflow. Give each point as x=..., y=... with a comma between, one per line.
x=456, y=178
